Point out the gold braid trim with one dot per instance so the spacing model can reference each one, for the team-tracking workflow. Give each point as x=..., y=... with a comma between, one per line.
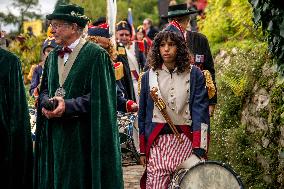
x=118, y=70
x=139, y=82
x=209, y=84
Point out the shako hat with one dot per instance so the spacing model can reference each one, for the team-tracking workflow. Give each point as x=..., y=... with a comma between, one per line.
x=49, y=42
x=124, y=25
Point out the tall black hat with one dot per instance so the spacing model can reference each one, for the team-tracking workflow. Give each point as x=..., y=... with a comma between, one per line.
x=100, y=20
x=179, y=10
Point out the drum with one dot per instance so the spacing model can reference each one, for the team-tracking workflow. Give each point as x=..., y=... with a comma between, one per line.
x=206, y=175
x=127, y=132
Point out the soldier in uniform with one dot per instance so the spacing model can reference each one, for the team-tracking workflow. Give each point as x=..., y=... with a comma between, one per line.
x=99, y=33
x=132, y=58
x=48, y=45
x=144, y=42
x=197, y=43
x=173, y=115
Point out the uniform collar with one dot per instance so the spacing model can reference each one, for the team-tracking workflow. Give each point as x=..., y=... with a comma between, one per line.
x=167, y=70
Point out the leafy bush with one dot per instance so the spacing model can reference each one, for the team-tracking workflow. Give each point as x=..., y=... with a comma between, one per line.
x=28, y=49
x=269, y=14
x=243, y=146
x=228, y=20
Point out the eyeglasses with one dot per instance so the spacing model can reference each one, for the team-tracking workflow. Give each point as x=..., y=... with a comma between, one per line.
x=58, y=25
x=124, y=34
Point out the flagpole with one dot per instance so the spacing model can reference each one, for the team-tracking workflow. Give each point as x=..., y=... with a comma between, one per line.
x=111, y=19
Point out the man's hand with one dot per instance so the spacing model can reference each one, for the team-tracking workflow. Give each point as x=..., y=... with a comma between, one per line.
x=143, y=160
x=211, y=110
x=134, y=107
x=58, y=111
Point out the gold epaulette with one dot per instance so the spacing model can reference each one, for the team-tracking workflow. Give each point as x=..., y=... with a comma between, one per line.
x=209, y=83
x=118, y=70
x=121, y=50
x=139, y=82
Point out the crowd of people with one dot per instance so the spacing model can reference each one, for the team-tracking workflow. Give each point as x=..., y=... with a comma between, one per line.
x=165, y=76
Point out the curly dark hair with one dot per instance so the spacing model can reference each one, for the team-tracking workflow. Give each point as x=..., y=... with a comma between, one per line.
x=183, y=57
x=110, y=49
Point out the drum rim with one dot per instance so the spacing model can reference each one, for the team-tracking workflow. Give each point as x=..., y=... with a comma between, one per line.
x=222, y=164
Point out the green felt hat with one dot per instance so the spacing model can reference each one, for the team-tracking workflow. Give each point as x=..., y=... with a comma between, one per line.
x=71, y=13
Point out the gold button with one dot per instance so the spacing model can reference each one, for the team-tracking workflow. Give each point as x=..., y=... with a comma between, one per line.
x=172, y=102
x=187, y=90
x=172, y=88
x=187, y=81
x=172, y=95
x=186, y=112
x=173, y=108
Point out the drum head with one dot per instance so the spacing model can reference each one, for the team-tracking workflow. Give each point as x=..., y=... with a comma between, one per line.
x=210, y=175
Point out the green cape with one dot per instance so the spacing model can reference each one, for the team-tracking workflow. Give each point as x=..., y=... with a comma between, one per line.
x=81, y=152
x=15, y=131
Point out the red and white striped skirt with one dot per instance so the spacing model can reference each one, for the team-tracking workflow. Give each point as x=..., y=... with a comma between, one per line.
x=166, y=154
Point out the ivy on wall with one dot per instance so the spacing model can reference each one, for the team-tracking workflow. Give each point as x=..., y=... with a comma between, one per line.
x=269, y=14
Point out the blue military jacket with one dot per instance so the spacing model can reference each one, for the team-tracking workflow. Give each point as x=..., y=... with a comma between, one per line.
x=198, y=107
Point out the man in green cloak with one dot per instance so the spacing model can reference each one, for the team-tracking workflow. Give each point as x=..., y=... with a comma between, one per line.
x=77, y=141
x=15, y=132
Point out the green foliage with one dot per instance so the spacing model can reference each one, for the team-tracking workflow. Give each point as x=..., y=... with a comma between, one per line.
x=242, y=146
x=140, y=11
x=270, y=15
x=237, y=85
x=30, y=99
x=228, y=20
x=29, y=52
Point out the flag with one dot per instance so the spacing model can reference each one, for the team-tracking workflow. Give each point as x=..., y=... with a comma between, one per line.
x=111, y=18
x=130, y=21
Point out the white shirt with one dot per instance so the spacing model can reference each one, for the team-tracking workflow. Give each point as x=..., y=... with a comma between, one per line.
x=72, y=47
